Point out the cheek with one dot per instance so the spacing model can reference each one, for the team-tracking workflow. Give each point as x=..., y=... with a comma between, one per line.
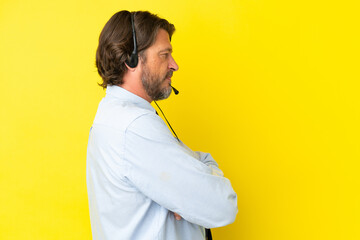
x=159, y=67
x=164, y=68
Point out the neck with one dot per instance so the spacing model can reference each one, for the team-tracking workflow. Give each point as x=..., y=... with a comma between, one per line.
x=132, y=82
x=135, y=86
x=137, y=91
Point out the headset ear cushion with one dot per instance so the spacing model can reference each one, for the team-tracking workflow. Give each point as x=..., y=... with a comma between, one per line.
x=132, y=62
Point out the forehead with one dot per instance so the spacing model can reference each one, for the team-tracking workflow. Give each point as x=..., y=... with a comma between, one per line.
x=162, y=41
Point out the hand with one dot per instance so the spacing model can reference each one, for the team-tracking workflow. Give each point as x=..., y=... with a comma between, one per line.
x=177, y=216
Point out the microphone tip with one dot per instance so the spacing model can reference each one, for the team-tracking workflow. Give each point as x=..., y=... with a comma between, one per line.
x=175, y=90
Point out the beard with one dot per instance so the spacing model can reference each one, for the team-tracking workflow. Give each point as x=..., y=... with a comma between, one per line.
x=153, y=82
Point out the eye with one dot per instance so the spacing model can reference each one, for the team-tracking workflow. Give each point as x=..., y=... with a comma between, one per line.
x=165, y=55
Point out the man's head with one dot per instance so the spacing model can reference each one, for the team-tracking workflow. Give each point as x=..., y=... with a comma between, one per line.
x=153, y=36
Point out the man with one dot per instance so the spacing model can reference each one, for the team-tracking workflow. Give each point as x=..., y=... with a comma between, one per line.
x=142, y=182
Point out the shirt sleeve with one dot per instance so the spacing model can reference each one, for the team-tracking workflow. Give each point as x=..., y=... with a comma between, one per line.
x=172, y=176
x=207, y=159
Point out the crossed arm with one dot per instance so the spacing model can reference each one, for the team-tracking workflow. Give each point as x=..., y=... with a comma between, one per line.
x=206, y=197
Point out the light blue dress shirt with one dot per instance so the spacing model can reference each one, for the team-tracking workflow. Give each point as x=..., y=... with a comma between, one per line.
x=138, y=174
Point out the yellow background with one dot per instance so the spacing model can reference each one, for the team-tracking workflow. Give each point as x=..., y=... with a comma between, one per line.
x=270, y=88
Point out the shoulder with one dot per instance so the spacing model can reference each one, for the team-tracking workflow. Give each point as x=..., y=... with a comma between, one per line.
x=119, y=114
x=150, y=126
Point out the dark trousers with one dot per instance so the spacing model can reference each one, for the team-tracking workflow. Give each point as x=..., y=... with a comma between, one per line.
x=208, y=234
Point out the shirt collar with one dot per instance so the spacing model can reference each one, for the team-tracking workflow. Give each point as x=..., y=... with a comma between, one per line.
x=125, y=95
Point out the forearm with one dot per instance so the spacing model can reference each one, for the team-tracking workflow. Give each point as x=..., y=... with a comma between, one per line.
x=183, y=181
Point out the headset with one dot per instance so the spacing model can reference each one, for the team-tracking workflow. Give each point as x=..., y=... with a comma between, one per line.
x=132, y=62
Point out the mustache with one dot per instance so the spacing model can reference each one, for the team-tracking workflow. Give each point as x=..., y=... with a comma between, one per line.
x=169, y=74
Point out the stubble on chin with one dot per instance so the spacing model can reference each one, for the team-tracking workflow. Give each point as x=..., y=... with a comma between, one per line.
x=154, y=86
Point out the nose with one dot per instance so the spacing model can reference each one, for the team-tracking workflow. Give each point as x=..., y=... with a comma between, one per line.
x=173, y=65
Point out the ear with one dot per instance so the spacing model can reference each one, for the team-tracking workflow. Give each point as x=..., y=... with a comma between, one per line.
x=130, y=68
x=132, y=62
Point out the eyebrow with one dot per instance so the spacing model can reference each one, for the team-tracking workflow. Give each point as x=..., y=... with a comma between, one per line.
x=166, y=50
